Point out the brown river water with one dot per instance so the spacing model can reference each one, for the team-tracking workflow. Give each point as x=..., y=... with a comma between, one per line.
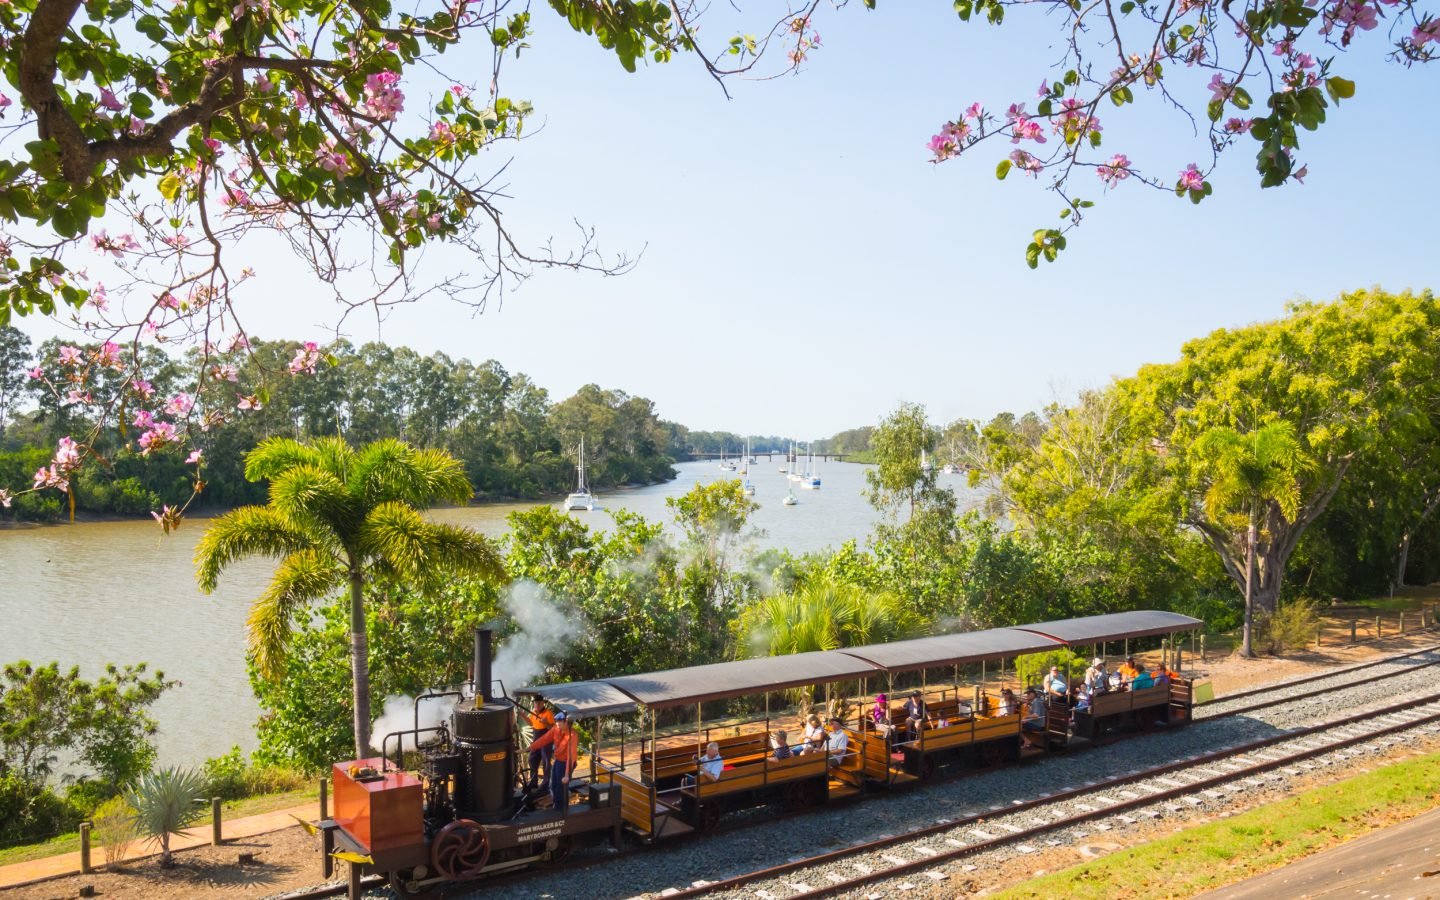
x=121, y=592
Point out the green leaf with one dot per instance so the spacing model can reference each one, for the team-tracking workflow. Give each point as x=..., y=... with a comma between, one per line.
x=1240, y=97
x=1339, y=88
x=1003, y=169
x=1127, y=7
x=1214, y=110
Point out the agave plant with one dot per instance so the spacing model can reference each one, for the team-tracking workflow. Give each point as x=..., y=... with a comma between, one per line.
x=165, y=803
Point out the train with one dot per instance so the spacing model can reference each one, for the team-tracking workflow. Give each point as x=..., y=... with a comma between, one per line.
x=459, y=807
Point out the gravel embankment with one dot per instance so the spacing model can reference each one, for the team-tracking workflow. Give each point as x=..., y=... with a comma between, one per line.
x=770, y=844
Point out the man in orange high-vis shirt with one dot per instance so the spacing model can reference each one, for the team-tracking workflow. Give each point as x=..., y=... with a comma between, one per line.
x=567, y=745
x=542, y=719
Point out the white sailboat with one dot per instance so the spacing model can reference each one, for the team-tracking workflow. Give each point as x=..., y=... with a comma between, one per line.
x=810, y=481
x=949, y=469
x=748, y=487
x=580, y=498
x=790, y=499
x=925, y=465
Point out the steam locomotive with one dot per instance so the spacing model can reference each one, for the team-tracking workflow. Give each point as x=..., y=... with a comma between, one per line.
x=464, y=815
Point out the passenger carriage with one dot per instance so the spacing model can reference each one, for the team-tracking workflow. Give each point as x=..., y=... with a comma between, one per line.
x=664, y=720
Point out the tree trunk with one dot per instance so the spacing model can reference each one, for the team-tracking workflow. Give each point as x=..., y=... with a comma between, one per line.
x=359, y=663
x=1246, y=646
x=1404, y=560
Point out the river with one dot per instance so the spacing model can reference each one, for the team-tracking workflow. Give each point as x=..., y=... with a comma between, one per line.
x=121, y=592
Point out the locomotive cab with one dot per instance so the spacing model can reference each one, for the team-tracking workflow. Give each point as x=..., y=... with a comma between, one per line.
x=461, y=813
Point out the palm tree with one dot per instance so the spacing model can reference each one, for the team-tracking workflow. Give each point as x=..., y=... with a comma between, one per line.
x=1247, y=474
x=822, y=615
x=338, y=517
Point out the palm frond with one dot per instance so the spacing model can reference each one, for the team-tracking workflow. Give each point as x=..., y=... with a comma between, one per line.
x=314, y=499
x=274, y=455
x=301, y=579
x=336, y=456
x=390, y=470
x=243, y=532
x=424, y=552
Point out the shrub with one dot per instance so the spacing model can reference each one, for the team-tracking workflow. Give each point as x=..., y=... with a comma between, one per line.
x=88, y=794
x=114, y=823
x=29, y=811
x=1291, y=628
x=1032, y=667
x=165, y=803
x=232, y=777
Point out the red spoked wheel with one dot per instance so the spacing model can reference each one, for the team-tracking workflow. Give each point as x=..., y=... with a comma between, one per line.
x=460, y=850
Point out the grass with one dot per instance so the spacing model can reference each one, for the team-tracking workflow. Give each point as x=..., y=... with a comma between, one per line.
x=235, y=809
x=1220, y=853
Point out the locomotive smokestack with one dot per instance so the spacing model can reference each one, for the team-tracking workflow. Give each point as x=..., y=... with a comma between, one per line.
x=482, y=665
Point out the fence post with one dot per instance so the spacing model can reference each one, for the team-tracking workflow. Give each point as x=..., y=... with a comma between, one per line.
x=1402, y=621
x=215, y=840
x=1353, y=625
x=1202, y=648
x=1377, y=628
x=85, y=868
x=1319, y=629
x=324, y=799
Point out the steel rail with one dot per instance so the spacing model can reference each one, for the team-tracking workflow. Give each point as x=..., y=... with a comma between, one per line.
x=1076, y=793
x=1332, y=673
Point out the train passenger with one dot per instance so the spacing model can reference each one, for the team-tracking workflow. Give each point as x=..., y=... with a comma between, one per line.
x=1161, y=675
x=1129, y=671
x=1082, y=698
x=814, y=735
x=838, y=743
x=880, y=714
x=567, y=744
x=1142, y=679
x=781, y=745
x=711, y=765
x=914, y=716
x=1056, y=685
x=1034, y=717
x=1009, y=706
x=1095, y=676
x=542, y=719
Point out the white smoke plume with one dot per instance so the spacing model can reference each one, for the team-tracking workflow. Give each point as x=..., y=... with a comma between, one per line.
x=398, y=714
x=543, y=629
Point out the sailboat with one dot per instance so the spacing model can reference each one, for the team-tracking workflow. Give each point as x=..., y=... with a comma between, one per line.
x=580, y=498
x=790, y=499
x=748, y=487
x=925, y=465
x=810, y=481
x=746, y=460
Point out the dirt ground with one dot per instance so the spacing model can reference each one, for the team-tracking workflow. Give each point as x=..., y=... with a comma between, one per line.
x=284, y=861
x=290, y=859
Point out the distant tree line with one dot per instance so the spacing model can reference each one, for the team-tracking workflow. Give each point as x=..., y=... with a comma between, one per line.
x=513, y=439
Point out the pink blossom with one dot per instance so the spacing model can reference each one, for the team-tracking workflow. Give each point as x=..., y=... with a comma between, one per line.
x=1027, y=163
x=974, y=111
x=75, y=395
x=137, y=126
x=179, y=405
x=301, y=101
x=306, y=359
x=168, y=518
x=1304, y=61
x=67, y=454
x=383, y=100
x=109, y=355
x=1191, y=179
x=330, y=159
x=1353, y=15
x=109, y=101
x=1114, y=170
x=440, y=132
x=1238, y=126
x=159, y=436
x=225, y=372
x=1075, y=120
x=1044, y=90
x=116, y=246
x=238, y=342
x=1424, y=33
x=1283, y=48
x=162, y=84
x=4, y=101
x=432, y=223
x=5, y=498
x=36, y=373
x=143, y=388
x=98, y=298
x=70, y=356
x=250, y=401
x=1220, y=90
x=1025, y=128
x=1300, y=173
x=49, y=477
x=234, y=197
x=194, y=457
x=143, y=419
x=263, y=84
x=460, y=91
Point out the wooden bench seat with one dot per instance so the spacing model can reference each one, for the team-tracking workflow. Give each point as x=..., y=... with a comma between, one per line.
x=760, y=773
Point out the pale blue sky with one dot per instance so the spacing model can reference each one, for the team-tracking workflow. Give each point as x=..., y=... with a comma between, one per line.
x=806, y=269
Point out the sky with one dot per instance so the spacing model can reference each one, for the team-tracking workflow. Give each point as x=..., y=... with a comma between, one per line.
x=805, y=269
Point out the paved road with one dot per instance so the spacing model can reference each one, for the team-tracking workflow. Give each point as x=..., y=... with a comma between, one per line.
x=1401, y=862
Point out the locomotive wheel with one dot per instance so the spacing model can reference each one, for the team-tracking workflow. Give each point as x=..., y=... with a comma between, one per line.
x=992, y=755
x=405, y=884
x=461, y=850
x=709, y=816
x=927, y=767
x=559, y=849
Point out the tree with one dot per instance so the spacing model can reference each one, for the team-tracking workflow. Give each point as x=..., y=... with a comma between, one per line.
x=14, y=371
x=165, y=803
x=822, y=614
x=1280, y=49
x=36, y=716
x=898, y=445
x=337, y=518
x=1253, y=479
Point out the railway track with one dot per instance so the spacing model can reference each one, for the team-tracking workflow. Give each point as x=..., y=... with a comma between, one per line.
x=1211, y=775
x=1288, y=684
x=1284, y=689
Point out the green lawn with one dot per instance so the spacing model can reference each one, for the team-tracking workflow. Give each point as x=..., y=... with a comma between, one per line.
x=1210, y=856
x=237, y=809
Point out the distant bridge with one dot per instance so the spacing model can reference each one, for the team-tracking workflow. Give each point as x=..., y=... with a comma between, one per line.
x=769, y=455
